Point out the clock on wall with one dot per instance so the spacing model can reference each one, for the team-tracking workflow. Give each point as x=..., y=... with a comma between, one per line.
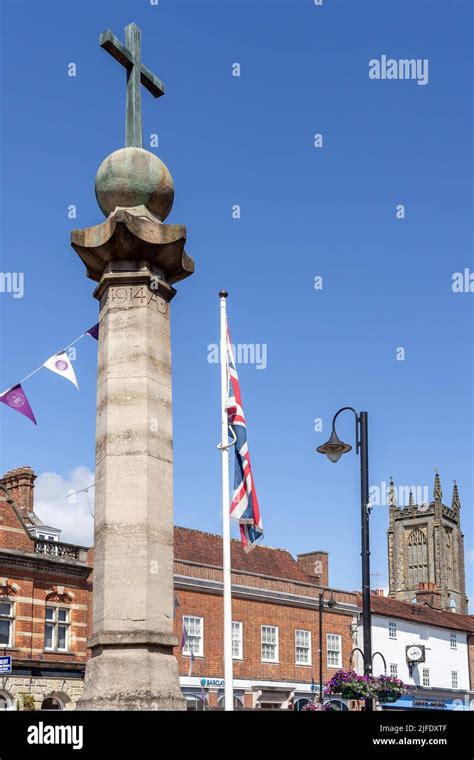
x=415, y=653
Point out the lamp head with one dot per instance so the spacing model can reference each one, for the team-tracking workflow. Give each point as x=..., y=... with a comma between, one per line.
x=332, y=602
x=334, y=448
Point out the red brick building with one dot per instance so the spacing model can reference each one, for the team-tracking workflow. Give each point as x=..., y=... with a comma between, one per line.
x=45, y=609
x=275, y=601
x=45, y=595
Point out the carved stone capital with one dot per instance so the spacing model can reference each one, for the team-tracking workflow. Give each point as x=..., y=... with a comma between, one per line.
x=134, y=234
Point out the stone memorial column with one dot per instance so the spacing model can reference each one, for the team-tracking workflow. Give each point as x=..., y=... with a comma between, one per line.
x=136, y=259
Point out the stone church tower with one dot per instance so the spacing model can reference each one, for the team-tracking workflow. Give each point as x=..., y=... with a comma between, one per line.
x=426, y=545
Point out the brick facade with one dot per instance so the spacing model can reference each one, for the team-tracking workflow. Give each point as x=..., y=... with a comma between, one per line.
x=253, y=614
x=269, y=588
x=31, y=580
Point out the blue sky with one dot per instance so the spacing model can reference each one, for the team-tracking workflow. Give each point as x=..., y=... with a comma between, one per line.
x=305, y=212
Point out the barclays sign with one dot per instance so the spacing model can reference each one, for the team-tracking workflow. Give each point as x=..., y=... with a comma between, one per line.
x=216, y=682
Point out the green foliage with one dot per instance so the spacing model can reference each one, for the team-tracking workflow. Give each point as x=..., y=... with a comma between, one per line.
x=28, y=702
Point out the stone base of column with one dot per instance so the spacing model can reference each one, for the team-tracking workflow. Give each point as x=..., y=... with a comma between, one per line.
x=131, y=678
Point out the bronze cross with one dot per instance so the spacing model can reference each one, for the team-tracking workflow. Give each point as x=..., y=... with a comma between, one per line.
x=129, y=56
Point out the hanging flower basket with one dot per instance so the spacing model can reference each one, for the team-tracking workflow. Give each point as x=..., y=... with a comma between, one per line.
x=388, y=689
x=332, y=707
x=311, y=707
x=349, y=685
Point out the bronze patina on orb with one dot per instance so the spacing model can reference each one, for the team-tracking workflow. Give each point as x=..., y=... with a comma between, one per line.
x=133, y=177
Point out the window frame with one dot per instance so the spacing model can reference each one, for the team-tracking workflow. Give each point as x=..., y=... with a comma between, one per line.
x=339, y=651
x=9, y=700
x=307, y=648
x=394, y=669
x=453, y=641
x=240, y=655
x=425, y=676
x=55, y=623
x=194, y=699
x=186, y=649
x=392, y=629
x=276, y=644
x=10, y=618
x=455, y=677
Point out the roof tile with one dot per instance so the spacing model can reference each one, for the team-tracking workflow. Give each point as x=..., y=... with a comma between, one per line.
x=206, y=549
x=420, y=613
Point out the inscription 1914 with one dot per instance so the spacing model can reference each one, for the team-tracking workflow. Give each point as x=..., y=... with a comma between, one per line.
x=134, y=295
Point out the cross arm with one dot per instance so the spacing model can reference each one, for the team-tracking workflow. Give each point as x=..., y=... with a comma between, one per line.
x=112, y=45
x=151, y=82
x=109, y=42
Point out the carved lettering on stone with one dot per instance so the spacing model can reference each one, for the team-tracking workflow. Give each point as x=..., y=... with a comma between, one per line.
x=134, y=295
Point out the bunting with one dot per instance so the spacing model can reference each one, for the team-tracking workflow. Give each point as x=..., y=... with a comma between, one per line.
x=60, y=363
x=93, y=331
x=16, y=399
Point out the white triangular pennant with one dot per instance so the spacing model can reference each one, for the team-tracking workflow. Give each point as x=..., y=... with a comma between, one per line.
x=61, y=364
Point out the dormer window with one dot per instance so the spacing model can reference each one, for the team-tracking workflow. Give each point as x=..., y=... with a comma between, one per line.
x=45, y=534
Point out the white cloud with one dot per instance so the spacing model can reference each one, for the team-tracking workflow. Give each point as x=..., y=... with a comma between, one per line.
x=72, y=514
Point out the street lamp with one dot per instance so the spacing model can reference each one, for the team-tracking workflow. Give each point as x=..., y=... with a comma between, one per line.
x=331, y=603
x=334, y=448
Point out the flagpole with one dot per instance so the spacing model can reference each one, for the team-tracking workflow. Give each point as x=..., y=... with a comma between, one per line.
x=228, y=674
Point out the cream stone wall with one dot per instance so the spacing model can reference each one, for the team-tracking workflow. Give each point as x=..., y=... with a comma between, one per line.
x=67, y=690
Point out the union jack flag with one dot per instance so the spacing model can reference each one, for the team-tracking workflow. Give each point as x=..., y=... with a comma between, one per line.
x=244, y=506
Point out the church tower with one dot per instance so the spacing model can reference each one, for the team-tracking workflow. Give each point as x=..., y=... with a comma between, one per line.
x=426, y=545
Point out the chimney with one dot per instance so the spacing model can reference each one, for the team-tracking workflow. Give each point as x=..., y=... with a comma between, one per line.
x=427, y=593
x=21, y=483
x=315, y=564
x=378, y=592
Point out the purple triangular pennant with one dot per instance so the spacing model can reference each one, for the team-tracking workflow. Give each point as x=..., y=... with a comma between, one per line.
x=94, y=331
x=16, y=399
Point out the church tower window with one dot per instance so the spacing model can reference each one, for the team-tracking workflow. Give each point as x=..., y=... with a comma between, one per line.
x=449, y=558
x=417, y=556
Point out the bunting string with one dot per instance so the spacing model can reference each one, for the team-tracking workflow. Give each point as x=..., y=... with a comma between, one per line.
x=59, y=363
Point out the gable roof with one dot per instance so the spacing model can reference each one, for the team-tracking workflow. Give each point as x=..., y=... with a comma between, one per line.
x=419, y=613
x=206, y=549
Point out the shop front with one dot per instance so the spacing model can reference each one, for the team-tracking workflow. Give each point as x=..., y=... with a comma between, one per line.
x=207, y=693
x=432, y=701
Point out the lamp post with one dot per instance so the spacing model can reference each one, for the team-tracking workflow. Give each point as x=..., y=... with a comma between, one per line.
x=331, y=603
x=334, y=448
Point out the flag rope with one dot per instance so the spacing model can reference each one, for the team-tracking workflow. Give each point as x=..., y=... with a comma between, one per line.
x=27, y=377
x=15, y=397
